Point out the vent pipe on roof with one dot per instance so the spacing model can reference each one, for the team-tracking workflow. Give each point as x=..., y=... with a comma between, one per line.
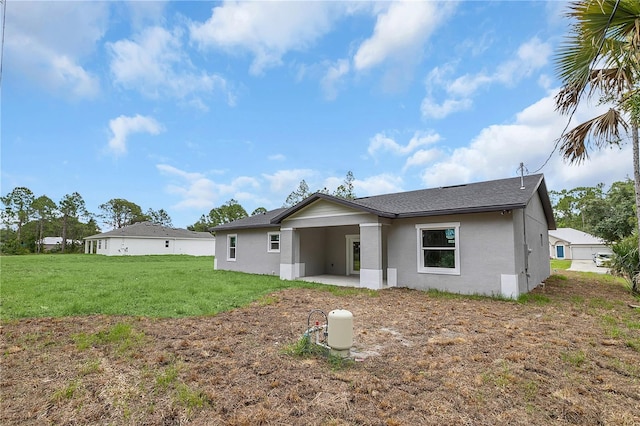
x=521, y=169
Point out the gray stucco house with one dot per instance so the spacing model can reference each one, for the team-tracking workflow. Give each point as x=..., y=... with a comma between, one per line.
x=479, y=238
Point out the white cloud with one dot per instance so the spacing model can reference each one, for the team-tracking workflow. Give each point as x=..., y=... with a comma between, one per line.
x=122, y=126
x=401, y=31
x=375, y=185
x=332, y=78
x=146, y=12
x=467, y=85
x=530, y=57
x=155, y=64
x=47, y=42
x=197, y=191
x=267, y=30
x=431, y=109
x=277, y=157
x=381, y=142
x=287, y=180
x=422, y=157
x=498, y=149
x=239, y=182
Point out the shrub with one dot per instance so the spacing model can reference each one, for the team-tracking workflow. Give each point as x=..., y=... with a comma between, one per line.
x=625, y=262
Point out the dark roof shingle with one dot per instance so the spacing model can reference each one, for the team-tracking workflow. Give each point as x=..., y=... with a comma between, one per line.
x=261, y=220
x=495, y=195
x=151, y=230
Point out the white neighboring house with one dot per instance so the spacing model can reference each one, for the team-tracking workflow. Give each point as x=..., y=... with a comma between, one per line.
x=569, y=243
x=146, y=238
x=51, y=243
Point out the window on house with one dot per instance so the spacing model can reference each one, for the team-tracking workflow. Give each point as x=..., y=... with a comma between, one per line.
x=105, y=244
x=99, y=244
x=439, y=248
x=232, y=241
x=273, y=239
x=166, y=243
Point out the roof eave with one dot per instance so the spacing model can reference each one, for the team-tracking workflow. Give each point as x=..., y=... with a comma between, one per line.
x=250, y=226
x=465, y=210
x=543, y=193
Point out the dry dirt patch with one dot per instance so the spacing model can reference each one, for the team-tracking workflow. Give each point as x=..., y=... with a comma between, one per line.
x=570, y=356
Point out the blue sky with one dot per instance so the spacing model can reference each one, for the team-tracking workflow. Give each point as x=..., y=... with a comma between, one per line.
x=184, y=105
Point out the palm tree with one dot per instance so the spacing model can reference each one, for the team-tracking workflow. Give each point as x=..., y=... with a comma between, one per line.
x=601, y=57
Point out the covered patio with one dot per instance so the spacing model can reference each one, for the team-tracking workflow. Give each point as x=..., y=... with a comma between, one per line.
x=337, y=280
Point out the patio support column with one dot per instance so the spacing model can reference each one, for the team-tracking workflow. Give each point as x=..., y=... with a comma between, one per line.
x=290, y=267
x=371, y=256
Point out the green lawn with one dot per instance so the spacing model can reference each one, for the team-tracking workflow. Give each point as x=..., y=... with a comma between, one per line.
x=153, y=286
x=560, y=264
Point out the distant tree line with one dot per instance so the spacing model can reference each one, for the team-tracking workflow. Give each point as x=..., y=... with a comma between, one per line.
x=28, y=219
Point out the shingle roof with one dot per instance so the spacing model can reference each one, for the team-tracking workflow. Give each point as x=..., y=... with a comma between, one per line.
x=152, y=230
x=574, y=236
x=481, y=196
x=495, y=195
x=262, y=220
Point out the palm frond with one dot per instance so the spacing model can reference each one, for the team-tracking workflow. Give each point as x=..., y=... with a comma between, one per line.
x=602, y=130
x=602, y=52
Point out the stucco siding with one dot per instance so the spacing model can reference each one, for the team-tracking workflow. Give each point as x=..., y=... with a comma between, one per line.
x=537, y=243
x=312, y=250
x=138, y=246
x=251, y=252
x=486, y=252
x=519, y=248
x=324, y=209
x=336, y=244
x=317, y=222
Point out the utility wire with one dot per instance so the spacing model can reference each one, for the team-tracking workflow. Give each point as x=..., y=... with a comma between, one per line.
x=582, y=89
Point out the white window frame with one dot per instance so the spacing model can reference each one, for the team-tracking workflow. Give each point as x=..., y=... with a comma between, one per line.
x=235, y=247
x=269, y=248
x=420, y=259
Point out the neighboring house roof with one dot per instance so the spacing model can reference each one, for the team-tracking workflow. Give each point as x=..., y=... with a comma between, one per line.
x=151, y=230
x=261, y=220
x=576, y=237
x=495, y=195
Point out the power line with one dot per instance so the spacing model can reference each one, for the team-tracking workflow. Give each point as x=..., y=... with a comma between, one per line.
x=583, y=87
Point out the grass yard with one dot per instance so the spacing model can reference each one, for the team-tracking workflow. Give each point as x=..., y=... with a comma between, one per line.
x=150, y=286
x=558, y=264
x=227, y=350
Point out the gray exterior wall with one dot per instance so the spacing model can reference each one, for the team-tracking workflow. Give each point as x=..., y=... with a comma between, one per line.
x=313, y=250
x=323, y=222
x=336, y=254
x=537, y=243
x=251, y=252
x=502, y=252
x=486, y=252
